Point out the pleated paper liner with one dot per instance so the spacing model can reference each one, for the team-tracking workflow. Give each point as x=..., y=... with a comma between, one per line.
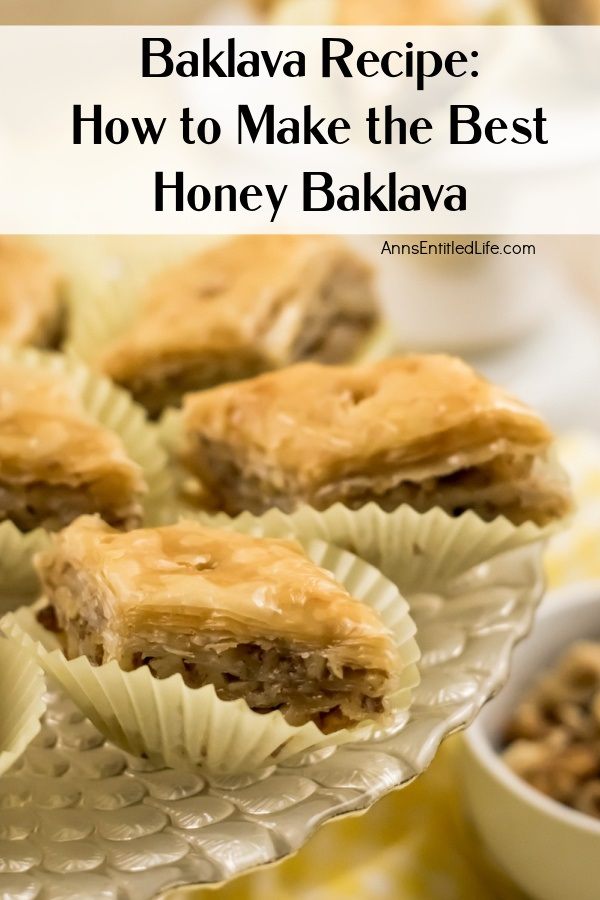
x=18, y=579
x=187, y=489
x=110, y=406
x=172, y=724
x=417, y=551
x=105, y=298
x=22, y=688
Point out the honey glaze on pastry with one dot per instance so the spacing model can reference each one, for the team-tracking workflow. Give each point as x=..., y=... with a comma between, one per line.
x=255, y=617
x=56, y=462
x=31, y=295
x=424, y=430
x=246, y=306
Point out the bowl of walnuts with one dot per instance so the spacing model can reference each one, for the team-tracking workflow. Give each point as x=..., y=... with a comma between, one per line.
x=531, y=764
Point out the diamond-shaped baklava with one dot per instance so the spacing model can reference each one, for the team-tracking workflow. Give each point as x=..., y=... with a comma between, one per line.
x=255, y=617
x=56, y=461
x=31, y=295
x=246, y=306
x=423, y=430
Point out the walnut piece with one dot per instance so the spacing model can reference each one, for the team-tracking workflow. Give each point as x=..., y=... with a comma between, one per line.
x=552, y=740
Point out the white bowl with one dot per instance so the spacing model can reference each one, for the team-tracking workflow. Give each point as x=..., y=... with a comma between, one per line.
x=549, y=850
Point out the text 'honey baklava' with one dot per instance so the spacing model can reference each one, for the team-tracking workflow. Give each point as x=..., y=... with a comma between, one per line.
x=31, y=295
x=423, y=430
x=57, y=462
x=246, y=306
x=255, y=617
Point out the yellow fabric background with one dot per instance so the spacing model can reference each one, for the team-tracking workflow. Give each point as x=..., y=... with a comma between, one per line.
x=416, y=844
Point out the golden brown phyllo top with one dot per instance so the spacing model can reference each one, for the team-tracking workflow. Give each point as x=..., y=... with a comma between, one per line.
x=424, y=430
x=245, y=306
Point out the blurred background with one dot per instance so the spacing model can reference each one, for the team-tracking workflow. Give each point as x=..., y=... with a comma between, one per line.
x=343, y=12
x=531, y=321
x=529, y=317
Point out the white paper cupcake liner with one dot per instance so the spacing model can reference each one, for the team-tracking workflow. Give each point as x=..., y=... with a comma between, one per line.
x=172, y=724
x=101, y=310
x=106, y=278
x=113, y=408
x=414, y=550
x=21, y=701
x=381, y=343
x=186, y=487
x=18, y=579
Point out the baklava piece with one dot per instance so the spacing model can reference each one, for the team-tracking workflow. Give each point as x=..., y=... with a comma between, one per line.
x=32, y=307
x=246, y=306
x=56, y=462
x=422, y=430
x=255, y=617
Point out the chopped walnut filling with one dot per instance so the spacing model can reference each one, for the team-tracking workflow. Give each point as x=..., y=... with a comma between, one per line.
x=425, y=430
x=553, y=738
x=52, y=506
x=267, y=675
x=503, y=486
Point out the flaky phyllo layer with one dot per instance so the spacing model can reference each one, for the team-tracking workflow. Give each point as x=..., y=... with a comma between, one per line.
x=252, y=616
x=244, y=307
x=422, y=430
x=32, y=302
x=56, y=462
